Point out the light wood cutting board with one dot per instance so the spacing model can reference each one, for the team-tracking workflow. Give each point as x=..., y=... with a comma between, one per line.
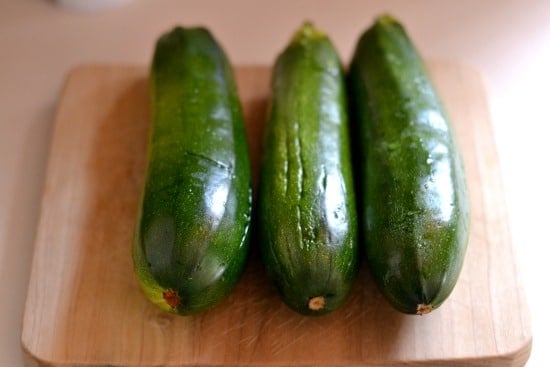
x=84, y=306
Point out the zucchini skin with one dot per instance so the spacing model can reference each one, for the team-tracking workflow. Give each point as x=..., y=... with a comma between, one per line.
x=192, y=233
x=414, y=205
x=307, y=215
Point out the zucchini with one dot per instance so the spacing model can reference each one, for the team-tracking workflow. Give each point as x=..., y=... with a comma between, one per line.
x=414, y=200
x=192, y=231
x=308, y=222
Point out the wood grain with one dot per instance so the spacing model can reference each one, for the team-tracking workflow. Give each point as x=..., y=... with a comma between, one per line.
x=84, y=306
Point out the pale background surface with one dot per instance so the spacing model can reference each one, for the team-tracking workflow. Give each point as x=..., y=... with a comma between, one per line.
x=508, y=41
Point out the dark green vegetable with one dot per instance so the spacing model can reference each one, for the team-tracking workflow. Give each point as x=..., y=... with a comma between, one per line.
x=307, y=208
x=192, y=231
x=414, y=198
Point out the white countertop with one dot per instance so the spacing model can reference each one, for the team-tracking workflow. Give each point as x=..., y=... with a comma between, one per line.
x=508, y=41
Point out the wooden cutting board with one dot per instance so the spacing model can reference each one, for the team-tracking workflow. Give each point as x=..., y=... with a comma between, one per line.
x=84, y=306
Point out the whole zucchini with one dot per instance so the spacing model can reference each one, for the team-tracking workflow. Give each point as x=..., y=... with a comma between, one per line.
x=414, y=207
x=192, y=231
x=307, y=209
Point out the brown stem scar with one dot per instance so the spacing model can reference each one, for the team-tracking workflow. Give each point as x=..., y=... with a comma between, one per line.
x=171, y=297
x=316, y=303
x=423, y=309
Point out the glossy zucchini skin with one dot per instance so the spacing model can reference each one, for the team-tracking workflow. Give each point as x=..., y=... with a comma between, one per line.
x=414, y=205
x=308, y=222
x=192, y=231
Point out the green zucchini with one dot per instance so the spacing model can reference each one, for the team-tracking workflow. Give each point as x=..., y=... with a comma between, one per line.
x=414, y=200
x=308, y=222
x=192, y=232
